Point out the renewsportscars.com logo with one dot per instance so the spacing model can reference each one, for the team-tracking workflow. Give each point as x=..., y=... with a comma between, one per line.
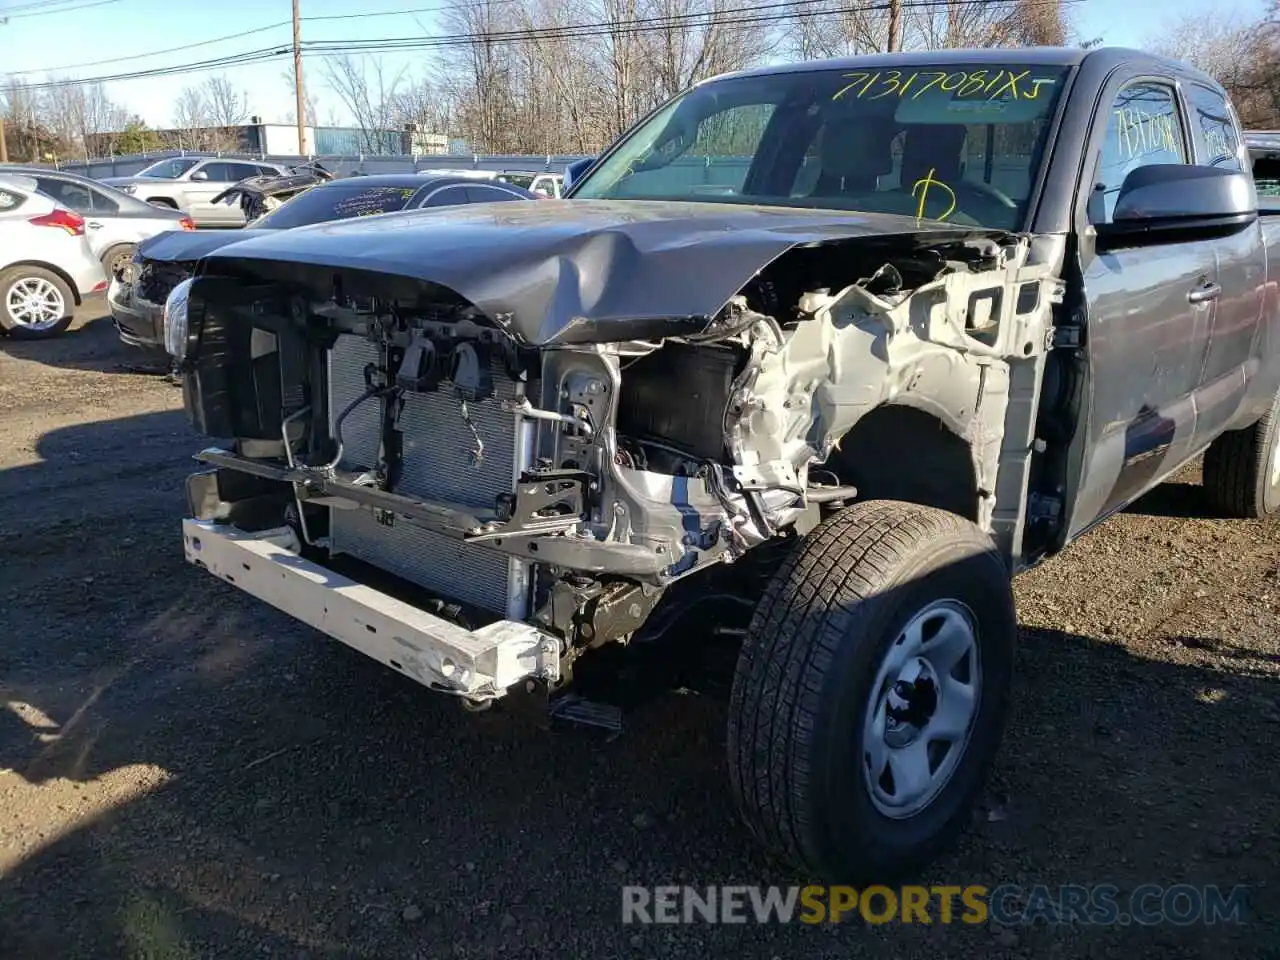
x=1007, y=904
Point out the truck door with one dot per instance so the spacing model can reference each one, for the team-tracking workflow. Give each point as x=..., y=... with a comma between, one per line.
x=1232, y=357
x=1149, y=308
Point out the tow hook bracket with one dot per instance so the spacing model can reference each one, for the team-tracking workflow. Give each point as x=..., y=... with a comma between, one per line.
x=542, y=497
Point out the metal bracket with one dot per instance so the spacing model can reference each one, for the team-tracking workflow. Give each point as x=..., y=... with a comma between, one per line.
x=1066, y=336
x=542, y=498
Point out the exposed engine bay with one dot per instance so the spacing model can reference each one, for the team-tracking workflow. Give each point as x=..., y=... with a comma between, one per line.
x=589, y=488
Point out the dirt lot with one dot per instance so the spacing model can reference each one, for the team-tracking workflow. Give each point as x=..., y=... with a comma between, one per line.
x=185, y=773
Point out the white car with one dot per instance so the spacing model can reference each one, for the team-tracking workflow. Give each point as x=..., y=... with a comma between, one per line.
x=47, y=266
x=549, y=185
x=116, y=222
x=189, y=184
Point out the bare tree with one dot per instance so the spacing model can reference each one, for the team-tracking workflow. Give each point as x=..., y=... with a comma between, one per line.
x=479, y=75
x=421, y=104
x=700, y=40
x=309, y=100
x=834, y=28
x=1239, y=54
x=226, y=107
x=191, y=119
x=568, y=76
x=102, y=115
x=1000, y=23
x=57, y=110
x=368, y=91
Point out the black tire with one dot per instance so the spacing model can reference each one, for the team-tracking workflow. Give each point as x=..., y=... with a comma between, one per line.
x=1240, y=479
x=803, y=682
x=116, y=255
x=16, y=329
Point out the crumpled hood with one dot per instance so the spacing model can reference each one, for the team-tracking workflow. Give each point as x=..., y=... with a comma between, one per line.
x=176, y=246
x=579, y=271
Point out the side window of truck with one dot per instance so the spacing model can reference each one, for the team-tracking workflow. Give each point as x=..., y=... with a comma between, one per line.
x=1215, y=128
x=1144, y=128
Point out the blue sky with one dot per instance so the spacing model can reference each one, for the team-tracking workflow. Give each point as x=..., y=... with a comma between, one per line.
x=105, y=29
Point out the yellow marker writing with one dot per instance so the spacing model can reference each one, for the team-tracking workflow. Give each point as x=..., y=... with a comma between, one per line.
x=923, y=185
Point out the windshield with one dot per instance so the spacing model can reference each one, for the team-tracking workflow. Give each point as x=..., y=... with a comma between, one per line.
x=520, y=179
x=170, y=169
x=934, y=142
x=336, y=201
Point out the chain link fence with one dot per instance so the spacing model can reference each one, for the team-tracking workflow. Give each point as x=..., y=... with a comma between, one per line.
x=340, y=164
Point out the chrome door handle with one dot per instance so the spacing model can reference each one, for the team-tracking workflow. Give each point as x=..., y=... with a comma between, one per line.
x=1204, y=293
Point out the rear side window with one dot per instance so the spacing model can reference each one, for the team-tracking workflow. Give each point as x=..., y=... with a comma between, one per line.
x=337, y=201
x=1215, y=128
x=446, y=197
x=10, y=200
x=218, y=172
x=242, y=171
x=1144, y=128
x=103, y=204
x=490, y=195
x=73, y=196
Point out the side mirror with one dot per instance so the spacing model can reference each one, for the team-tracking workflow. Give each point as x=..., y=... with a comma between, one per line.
x=200, y=175
x=1164, y=199
x=575, y=170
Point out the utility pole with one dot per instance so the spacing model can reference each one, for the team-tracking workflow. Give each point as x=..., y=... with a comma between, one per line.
x=297, y=81
x=895, y=15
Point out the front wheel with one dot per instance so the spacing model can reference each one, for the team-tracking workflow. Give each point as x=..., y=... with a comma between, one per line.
x=871, y=691
x=35, y=303
x=116, y=258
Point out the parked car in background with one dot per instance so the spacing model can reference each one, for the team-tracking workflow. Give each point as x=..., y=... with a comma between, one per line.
x=463, y=172
x=550, y=185
x=114, y=221
x=190, y=184
x=258, y=196
x=47, y=267
x=535, y=181
x=1264, y=157
x=137, y=295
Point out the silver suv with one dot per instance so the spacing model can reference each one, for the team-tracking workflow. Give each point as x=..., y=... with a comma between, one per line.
x=189, y=184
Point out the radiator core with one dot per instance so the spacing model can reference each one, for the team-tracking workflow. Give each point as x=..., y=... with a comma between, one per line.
x=438, y=448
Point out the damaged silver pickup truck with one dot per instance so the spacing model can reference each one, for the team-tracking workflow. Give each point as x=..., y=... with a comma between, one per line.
x=816, y=358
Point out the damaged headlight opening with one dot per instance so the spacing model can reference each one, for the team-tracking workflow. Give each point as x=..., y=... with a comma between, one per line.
x=174, y=320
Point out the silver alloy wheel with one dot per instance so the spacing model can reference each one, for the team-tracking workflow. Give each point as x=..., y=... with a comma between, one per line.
x=35, y=304
x=921, y=710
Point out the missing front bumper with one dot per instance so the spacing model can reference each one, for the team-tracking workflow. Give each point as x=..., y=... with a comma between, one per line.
x=476, y=664
x=496, y=532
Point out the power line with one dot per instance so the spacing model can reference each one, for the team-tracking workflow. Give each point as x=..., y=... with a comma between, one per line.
x=641, y=25
x=238, y=36
x=38, y=10
x=35, y=5
x=266, y=53
x=333, y=48
x=152, y=53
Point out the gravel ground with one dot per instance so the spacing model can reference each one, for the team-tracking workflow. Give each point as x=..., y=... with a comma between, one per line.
x=186, y=773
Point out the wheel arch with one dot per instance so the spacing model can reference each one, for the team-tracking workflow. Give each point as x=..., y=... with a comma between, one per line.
x=910, y=450
x=58, y=271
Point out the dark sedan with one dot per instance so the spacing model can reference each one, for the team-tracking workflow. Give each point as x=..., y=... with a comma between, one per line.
x=137, y=294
